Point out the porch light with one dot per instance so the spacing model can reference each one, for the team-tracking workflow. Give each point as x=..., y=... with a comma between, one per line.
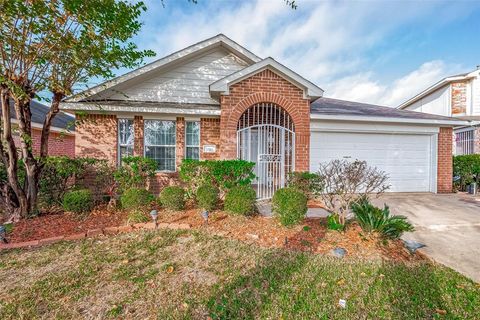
x=3, y=234
x=205, y=216
x=154, y=215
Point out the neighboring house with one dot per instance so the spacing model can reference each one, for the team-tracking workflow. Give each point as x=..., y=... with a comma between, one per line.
x=217, y=100
x=456, y=96
x=61, y=141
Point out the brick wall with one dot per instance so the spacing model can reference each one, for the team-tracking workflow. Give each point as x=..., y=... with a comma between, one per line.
x=459, y=98
x=210, y=135
x=97, y=137
x=265, y=86
x=138, y=136
x=445, y=165
x=476, y=141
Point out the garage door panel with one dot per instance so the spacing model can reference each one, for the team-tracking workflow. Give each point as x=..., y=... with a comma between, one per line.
x=406, y=158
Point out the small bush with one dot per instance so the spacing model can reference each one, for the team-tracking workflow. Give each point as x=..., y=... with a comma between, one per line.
x=240, y=200
x=137, y=216
x=310, y=184
x=289, y=205
x=207, y=197
x=78, y=201
x=136, y=199
x=134, y=172
x=467, y=169
x=333, y=222
x=371, y=218
x=173, y=198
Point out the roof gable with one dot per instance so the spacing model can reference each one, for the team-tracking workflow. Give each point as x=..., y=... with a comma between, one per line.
x=178, y=57
x=310, y=90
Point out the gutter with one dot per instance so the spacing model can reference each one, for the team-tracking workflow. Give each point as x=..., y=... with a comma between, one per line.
x=39, y=126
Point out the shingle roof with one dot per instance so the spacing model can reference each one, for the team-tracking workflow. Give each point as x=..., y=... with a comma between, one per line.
x=329, y=106
x=39, y=111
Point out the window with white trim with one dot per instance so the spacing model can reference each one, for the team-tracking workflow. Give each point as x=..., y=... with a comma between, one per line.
x=192, y=140
x=464, y=142
x=125, y=138
x=160, y=141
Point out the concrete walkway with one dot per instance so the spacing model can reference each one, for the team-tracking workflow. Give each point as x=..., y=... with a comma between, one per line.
x=449, y=225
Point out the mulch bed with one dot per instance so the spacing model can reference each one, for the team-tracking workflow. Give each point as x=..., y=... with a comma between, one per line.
x=311, y=236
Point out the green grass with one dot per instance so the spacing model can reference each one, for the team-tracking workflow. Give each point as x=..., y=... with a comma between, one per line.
x=190, y=275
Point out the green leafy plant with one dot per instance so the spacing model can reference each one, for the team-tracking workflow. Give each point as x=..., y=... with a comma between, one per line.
x=207, y=197
x=78, y=201
x=137, y=216
x=240, y=200
x=224, y=174
x=333, y=222
x=372, y=218
x=136, y=199
x=173, y=198
x=467, y=169
x=134, y=172
x=289, y=205
x=311, y=184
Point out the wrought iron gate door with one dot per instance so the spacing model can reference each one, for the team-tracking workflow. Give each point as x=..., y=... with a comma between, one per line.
x=266, y=136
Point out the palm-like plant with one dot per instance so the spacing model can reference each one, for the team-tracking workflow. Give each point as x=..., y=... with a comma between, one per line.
x=372, y=218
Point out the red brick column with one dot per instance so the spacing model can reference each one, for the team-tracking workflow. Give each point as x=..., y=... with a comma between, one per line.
x=96, y=136
x=459, y=98
x=210, y=135
x=180, y=140
x=265, y=86
x=445, y=162
x=138, y=141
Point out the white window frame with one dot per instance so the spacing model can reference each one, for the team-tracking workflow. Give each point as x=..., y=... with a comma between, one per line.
x=120, y=145
x=161, y=145
x=465, y=141
x=199, y=138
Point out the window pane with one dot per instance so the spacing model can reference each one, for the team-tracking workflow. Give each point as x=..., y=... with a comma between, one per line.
x=125, y=138
x=193, y=134
x=193, y=153
x=160, y=143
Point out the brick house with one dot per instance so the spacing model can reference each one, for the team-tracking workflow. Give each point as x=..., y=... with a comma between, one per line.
x=217, y=100
x=61, y=141
x=455, y=96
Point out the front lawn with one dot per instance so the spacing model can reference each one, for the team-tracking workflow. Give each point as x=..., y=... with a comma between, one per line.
x=191, y=275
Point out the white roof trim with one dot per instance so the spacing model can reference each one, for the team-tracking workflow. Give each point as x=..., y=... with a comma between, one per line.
x=310, y=90
x=37, y=125
x=85, y=106
x=216, y=41
x=434, y=88
x=314, y=116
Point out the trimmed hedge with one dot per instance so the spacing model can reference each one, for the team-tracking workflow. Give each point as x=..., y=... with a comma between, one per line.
x=310, y=184
x=240, y=200
x=467, y=168
x=173, y=198
x=207, y=197
x=78, y=201
x=289, y=205
x=136, y=198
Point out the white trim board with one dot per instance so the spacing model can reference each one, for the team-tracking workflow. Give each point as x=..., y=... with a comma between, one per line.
x=315, y=116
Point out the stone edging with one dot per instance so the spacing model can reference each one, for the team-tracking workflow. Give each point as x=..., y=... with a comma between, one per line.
x=91, y=233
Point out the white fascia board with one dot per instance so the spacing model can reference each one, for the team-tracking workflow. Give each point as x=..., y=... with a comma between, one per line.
x=39, y=126
x=388, y=119
x=363, y=127
x=136, y=109
x=431, y=89
x=219, y=40
x=310, y=90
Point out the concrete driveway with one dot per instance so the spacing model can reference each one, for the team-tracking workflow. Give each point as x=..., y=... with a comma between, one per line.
x=448, y=224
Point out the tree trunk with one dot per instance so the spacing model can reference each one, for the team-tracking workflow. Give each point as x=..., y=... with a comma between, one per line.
x=10, y=160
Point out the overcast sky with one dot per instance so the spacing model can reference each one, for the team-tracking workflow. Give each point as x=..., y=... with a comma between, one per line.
x=368, y=51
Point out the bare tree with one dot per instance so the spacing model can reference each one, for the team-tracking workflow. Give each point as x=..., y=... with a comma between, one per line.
x=347, y=181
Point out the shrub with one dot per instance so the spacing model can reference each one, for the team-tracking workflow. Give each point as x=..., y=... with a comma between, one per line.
x=371, y=218
x=136, y=199
x=134, y=172
x=224, y=174
x=467, y=169
x=333, y=222
x=289, y=205
x=347, y=181
x=78, y=201
x=310, y=184
x=240, y=200
x=137, y=216
x=173, y=198
x=207, y=197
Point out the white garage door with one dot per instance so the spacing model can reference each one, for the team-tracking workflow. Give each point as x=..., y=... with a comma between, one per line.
x=406, y=158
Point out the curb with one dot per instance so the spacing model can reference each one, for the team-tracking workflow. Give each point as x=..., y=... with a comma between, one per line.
x=93, y=233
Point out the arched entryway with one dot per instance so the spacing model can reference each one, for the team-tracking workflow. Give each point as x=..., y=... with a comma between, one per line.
x=266, y=136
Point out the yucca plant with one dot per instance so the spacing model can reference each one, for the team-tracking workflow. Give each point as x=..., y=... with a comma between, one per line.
x=372, y=218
